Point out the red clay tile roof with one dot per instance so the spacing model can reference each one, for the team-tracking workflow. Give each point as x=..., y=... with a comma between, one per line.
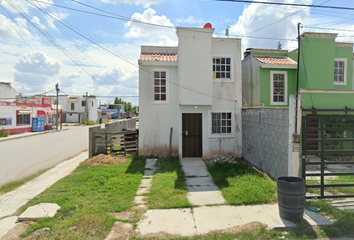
x=164, y=57
x=275, y=60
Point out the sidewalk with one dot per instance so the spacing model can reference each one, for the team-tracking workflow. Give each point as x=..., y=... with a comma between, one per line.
x=12, y=201
x=29, y=134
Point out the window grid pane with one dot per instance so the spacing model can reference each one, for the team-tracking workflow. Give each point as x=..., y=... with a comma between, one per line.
x=221, y=68
x=221, y=123
x=278, y=87
x=339, y=71
x=160, y=86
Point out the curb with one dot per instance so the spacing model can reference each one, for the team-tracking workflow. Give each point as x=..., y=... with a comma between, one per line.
x=13, y=137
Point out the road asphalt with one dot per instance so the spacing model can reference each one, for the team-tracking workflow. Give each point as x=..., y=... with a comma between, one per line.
x=209, y=215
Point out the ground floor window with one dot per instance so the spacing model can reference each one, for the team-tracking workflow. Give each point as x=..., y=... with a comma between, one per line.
x=23, y=119
x=221, y=122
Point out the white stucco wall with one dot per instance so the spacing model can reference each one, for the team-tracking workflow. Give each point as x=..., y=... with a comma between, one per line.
x=7, y=92
x=195, y=65
x=157, y=118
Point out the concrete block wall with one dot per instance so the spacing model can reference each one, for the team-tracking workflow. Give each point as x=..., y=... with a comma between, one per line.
x=120, y=125
x=265, y=139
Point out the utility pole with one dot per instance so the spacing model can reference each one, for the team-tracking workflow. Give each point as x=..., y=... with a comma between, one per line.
x=86, y=108
x=57, y=112
x=297, y=77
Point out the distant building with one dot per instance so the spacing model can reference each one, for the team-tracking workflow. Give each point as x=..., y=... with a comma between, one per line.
x=7, y=92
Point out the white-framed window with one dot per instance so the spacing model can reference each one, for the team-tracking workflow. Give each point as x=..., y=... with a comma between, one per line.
x=221, y=123
x=221, y=68
x=279, y=88
x=340, y=71
x=72, y=106
x=160, y=86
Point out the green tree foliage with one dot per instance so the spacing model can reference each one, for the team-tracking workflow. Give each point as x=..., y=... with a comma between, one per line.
x=127, y=105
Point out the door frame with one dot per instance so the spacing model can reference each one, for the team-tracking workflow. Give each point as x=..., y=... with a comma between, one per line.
x=200, y=136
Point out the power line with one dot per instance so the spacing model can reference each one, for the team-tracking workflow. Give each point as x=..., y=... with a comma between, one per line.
x=287, y=4
x=74, y=43
x=283, y=19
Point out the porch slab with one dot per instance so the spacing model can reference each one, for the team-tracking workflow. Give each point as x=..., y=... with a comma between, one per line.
x=150, y=163
x=171, y=221
x=192, y=162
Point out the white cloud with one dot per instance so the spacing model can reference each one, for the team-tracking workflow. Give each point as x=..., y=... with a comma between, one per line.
x=256, y=17
x=55, y=16
x=37, y=63
x=190, y=20
x=16, y=6
x=167, y=41
x=69, y=80
x=36, y=21
x=145, y=3
x=110, y=76
x=140, y=30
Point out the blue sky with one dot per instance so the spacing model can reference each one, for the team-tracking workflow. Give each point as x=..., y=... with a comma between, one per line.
x=37, y=50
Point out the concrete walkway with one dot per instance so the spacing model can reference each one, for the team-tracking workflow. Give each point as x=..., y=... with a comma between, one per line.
x=12, y=201
x=201, y=188
x=201, y=220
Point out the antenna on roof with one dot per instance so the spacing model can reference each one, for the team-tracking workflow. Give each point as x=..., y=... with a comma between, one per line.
x=227, y=31
x=279, y=45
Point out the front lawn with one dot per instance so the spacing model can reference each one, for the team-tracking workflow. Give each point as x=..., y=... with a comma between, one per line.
x=242, y=185
x=88, y=199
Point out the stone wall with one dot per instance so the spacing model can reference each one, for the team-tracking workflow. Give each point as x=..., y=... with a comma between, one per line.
x=265, y=139
x=119, y=125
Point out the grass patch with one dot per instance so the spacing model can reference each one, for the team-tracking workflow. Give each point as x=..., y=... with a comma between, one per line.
x=169, y=187
x=8, y=187
x=90, y=122
x=344, y=219
x=242, y=185
x=3, y=133
x=87, y=198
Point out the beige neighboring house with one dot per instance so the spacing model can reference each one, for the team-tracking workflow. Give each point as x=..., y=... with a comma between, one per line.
x=191, y=96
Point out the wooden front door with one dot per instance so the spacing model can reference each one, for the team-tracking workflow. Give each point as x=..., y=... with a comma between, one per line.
x=192, y=135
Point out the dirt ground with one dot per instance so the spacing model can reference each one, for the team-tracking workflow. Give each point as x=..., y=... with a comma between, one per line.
x=103, y=159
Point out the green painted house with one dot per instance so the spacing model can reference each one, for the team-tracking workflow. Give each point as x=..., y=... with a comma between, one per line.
x=325, y=74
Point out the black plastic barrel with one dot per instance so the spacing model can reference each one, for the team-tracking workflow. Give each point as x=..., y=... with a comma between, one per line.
x=291, y=198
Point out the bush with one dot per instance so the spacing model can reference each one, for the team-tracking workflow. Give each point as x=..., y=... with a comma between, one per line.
x=3, y=133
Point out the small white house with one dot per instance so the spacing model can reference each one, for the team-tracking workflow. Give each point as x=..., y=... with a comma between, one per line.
x=190, y=96
x=75, y=109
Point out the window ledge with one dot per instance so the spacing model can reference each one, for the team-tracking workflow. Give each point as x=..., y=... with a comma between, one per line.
x=223, y=80
x=221, y=136
x=340, y=84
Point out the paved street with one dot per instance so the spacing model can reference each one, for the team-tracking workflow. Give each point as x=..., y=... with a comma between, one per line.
x=26, y=156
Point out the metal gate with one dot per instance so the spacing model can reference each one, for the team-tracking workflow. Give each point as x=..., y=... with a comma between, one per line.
x=328, y=153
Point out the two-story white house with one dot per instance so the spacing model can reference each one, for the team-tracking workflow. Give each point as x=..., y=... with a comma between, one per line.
x=190, y=96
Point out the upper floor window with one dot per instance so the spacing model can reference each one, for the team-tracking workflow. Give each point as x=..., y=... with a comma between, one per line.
x=279, y=86
x=340, y=71
x=160, y=86
x=83, y=103
x=221, y=122
x=72, y=106
x=221, y=68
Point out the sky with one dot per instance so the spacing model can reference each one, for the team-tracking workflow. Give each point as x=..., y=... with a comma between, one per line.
x=94, y=45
